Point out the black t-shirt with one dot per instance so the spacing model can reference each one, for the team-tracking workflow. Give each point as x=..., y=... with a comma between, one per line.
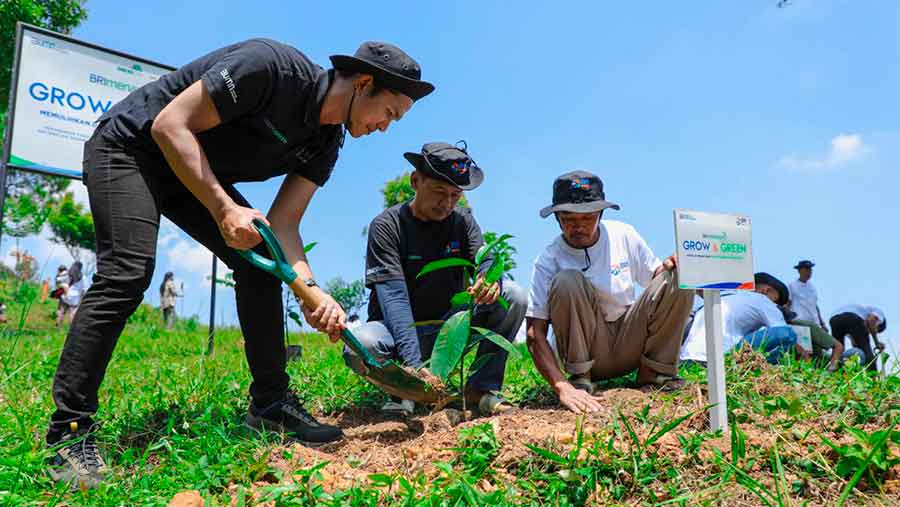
x=400, y=245
x=268, y=96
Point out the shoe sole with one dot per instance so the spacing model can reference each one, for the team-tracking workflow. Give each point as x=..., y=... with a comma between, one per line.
x=259, y=424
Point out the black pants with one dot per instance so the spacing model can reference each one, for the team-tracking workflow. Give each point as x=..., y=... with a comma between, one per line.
x=843, y=324
x=129, y=188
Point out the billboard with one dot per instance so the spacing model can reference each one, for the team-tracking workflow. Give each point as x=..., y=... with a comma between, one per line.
x=714, y=250
x=60, y=87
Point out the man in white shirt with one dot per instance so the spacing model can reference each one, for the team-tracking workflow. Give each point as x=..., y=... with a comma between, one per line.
x=584, y=283
x=860, y=321
x=804, y=298
x=751, y=316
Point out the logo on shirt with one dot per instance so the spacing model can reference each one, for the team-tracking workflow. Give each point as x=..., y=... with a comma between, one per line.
x=616, y=269
x=452, y=249
x=229, y=83
x=275, y=132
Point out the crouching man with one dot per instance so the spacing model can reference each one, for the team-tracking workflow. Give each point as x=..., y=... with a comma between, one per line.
x=754, y=317
x=406, y=237
x=584, y=284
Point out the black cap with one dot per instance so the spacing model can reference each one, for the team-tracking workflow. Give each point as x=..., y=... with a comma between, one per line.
x=804, y=264
x=578, y=192
x=390, y=67
x=781, y=288
x=448, y=162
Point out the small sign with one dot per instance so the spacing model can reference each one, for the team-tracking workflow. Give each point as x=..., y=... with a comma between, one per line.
x=804, y=337
x=713, y=250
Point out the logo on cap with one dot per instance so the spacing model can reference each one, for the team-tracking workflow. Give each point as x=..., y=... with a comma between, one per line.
x=460, y=168
x=582, y=183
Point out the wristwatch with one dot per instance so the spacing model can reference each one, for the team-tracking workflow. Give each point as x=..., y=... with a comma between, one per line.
x=309, y=282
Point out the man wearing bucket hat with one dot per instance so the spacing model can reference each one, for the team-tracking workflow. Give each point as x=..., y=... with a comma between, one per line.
x=406, y=237
x=804, y=297
x=584, y=284
x=175, y=147
x=751, y=317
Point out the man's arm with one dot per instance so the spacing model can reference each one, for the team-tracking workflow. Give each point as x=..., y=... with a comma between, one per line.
x=393, y=299
x=821, y=320
x=872, y=323
x=285, y=215
x=175, y=131
x=574, y=399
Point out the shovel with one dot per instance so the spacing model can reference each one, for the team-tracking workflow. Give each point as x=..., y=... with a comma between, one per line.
x=387, y=375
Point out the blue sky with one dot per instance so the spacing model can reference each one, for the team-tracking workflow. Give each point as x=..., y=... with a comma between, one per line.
x=787, y=115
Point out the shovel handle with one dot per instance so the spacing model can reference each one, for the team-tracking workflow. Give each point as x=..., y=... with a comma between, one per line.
x=279, y=266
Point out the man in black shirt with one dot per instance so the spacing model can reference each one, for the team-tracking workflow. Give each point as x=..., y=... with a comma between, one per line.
x=406, y=237
x=174, y=147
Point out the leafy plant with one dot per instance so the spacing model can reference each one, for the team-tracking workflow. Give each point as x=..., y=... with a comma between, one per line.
x=457, y=336
x=869, y=455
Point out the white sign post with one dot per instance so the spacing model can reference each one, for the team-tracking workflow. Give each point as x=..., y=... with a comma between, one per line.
x=714, y=253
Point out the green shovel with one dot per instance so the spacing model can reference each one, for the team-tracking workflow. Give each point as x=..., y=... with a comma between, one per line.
x=387, y=375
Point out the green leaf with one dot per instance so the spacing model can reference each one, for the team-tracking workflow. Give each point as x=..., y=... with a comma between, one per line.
x=451, y=262
x=495, y=272
x=489, y=247
x=307, y=248
x=503, y=302
x=479, y=362
x=548, y=455
x=500, y=341
x=462, y=297
x=450, y=342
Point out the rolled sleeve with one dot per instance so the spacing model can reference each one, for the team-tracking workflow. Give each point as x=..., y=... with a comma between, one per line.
x=242, y=81
x=539, y=293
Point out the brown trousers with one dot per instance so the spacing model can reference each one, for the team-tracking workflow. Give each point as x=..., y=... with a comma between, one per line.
x=648, y=335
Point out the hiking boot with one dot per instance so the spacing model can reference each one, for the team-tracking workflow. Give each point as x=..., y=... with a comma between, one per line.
x=288, y=416
x=399, y=407
x=77, y=460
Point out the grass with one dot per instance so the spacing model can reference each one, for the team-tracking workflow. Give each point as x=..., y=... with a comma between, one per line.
x=172, y=421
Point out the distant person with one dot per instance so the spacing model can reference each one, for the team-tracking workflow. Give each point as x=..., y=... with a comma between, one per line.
x=71, y=297
x=176, y=147
x=168, y=292
x=804, y=297
x=751, y=317
x=61, y=282
x=584, y=284
x=3, y=318
x=860, y=322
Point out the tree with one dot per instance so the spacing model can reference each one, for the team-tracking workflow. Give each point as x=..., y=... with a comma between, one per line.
x=350, y=295
x=30, y=196
x=400, y=190
x=72, y=226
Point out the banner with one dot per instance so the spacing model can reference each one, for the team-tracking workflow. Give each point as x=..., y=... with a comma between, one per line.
x=713, y=250
x=60, y=87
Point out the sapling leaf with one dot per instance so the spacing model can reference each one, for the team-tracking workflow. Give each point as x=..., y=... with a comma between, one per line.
x=479, y=362
x=503, y=302
x=451, y=262
x=486, y=249
x=461, y=298
x=495, y=272
x=310, y=246
x=450, y=343
x=500, y=341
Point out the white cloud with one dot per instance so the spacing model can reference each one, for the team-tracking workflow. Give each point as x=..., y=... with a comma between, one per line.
x=845, y=148
x=80, y=193
x=189, y=256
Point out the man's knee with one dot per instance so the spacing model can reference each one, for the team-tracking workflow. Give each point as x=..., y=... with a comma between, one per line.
x=566, y=282
x=374, y=338
x=125, y=277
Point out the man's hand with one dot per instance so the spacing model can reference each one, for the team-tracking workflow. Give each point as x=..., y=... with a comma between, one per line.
x=880, y=345
x=578, y=401
x=236, y=226
x=670, y=264
x=328, y=317
x=484, y=294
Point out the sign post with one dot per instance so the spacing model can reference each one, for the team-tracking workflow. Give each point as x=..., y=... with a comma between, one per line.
x=714, y=253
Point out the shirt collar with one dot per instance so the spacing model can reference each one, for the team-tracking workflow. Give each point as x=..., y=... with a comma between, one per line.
x=317, y=97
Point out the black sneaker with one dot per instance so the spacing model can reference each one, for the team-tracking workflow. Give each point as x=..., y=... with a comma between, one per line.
x=288, y=416
x=77, y=459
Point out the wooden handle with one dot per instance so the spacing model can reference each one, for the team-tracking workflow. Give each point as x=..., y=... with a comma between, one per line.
x=311, y=298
